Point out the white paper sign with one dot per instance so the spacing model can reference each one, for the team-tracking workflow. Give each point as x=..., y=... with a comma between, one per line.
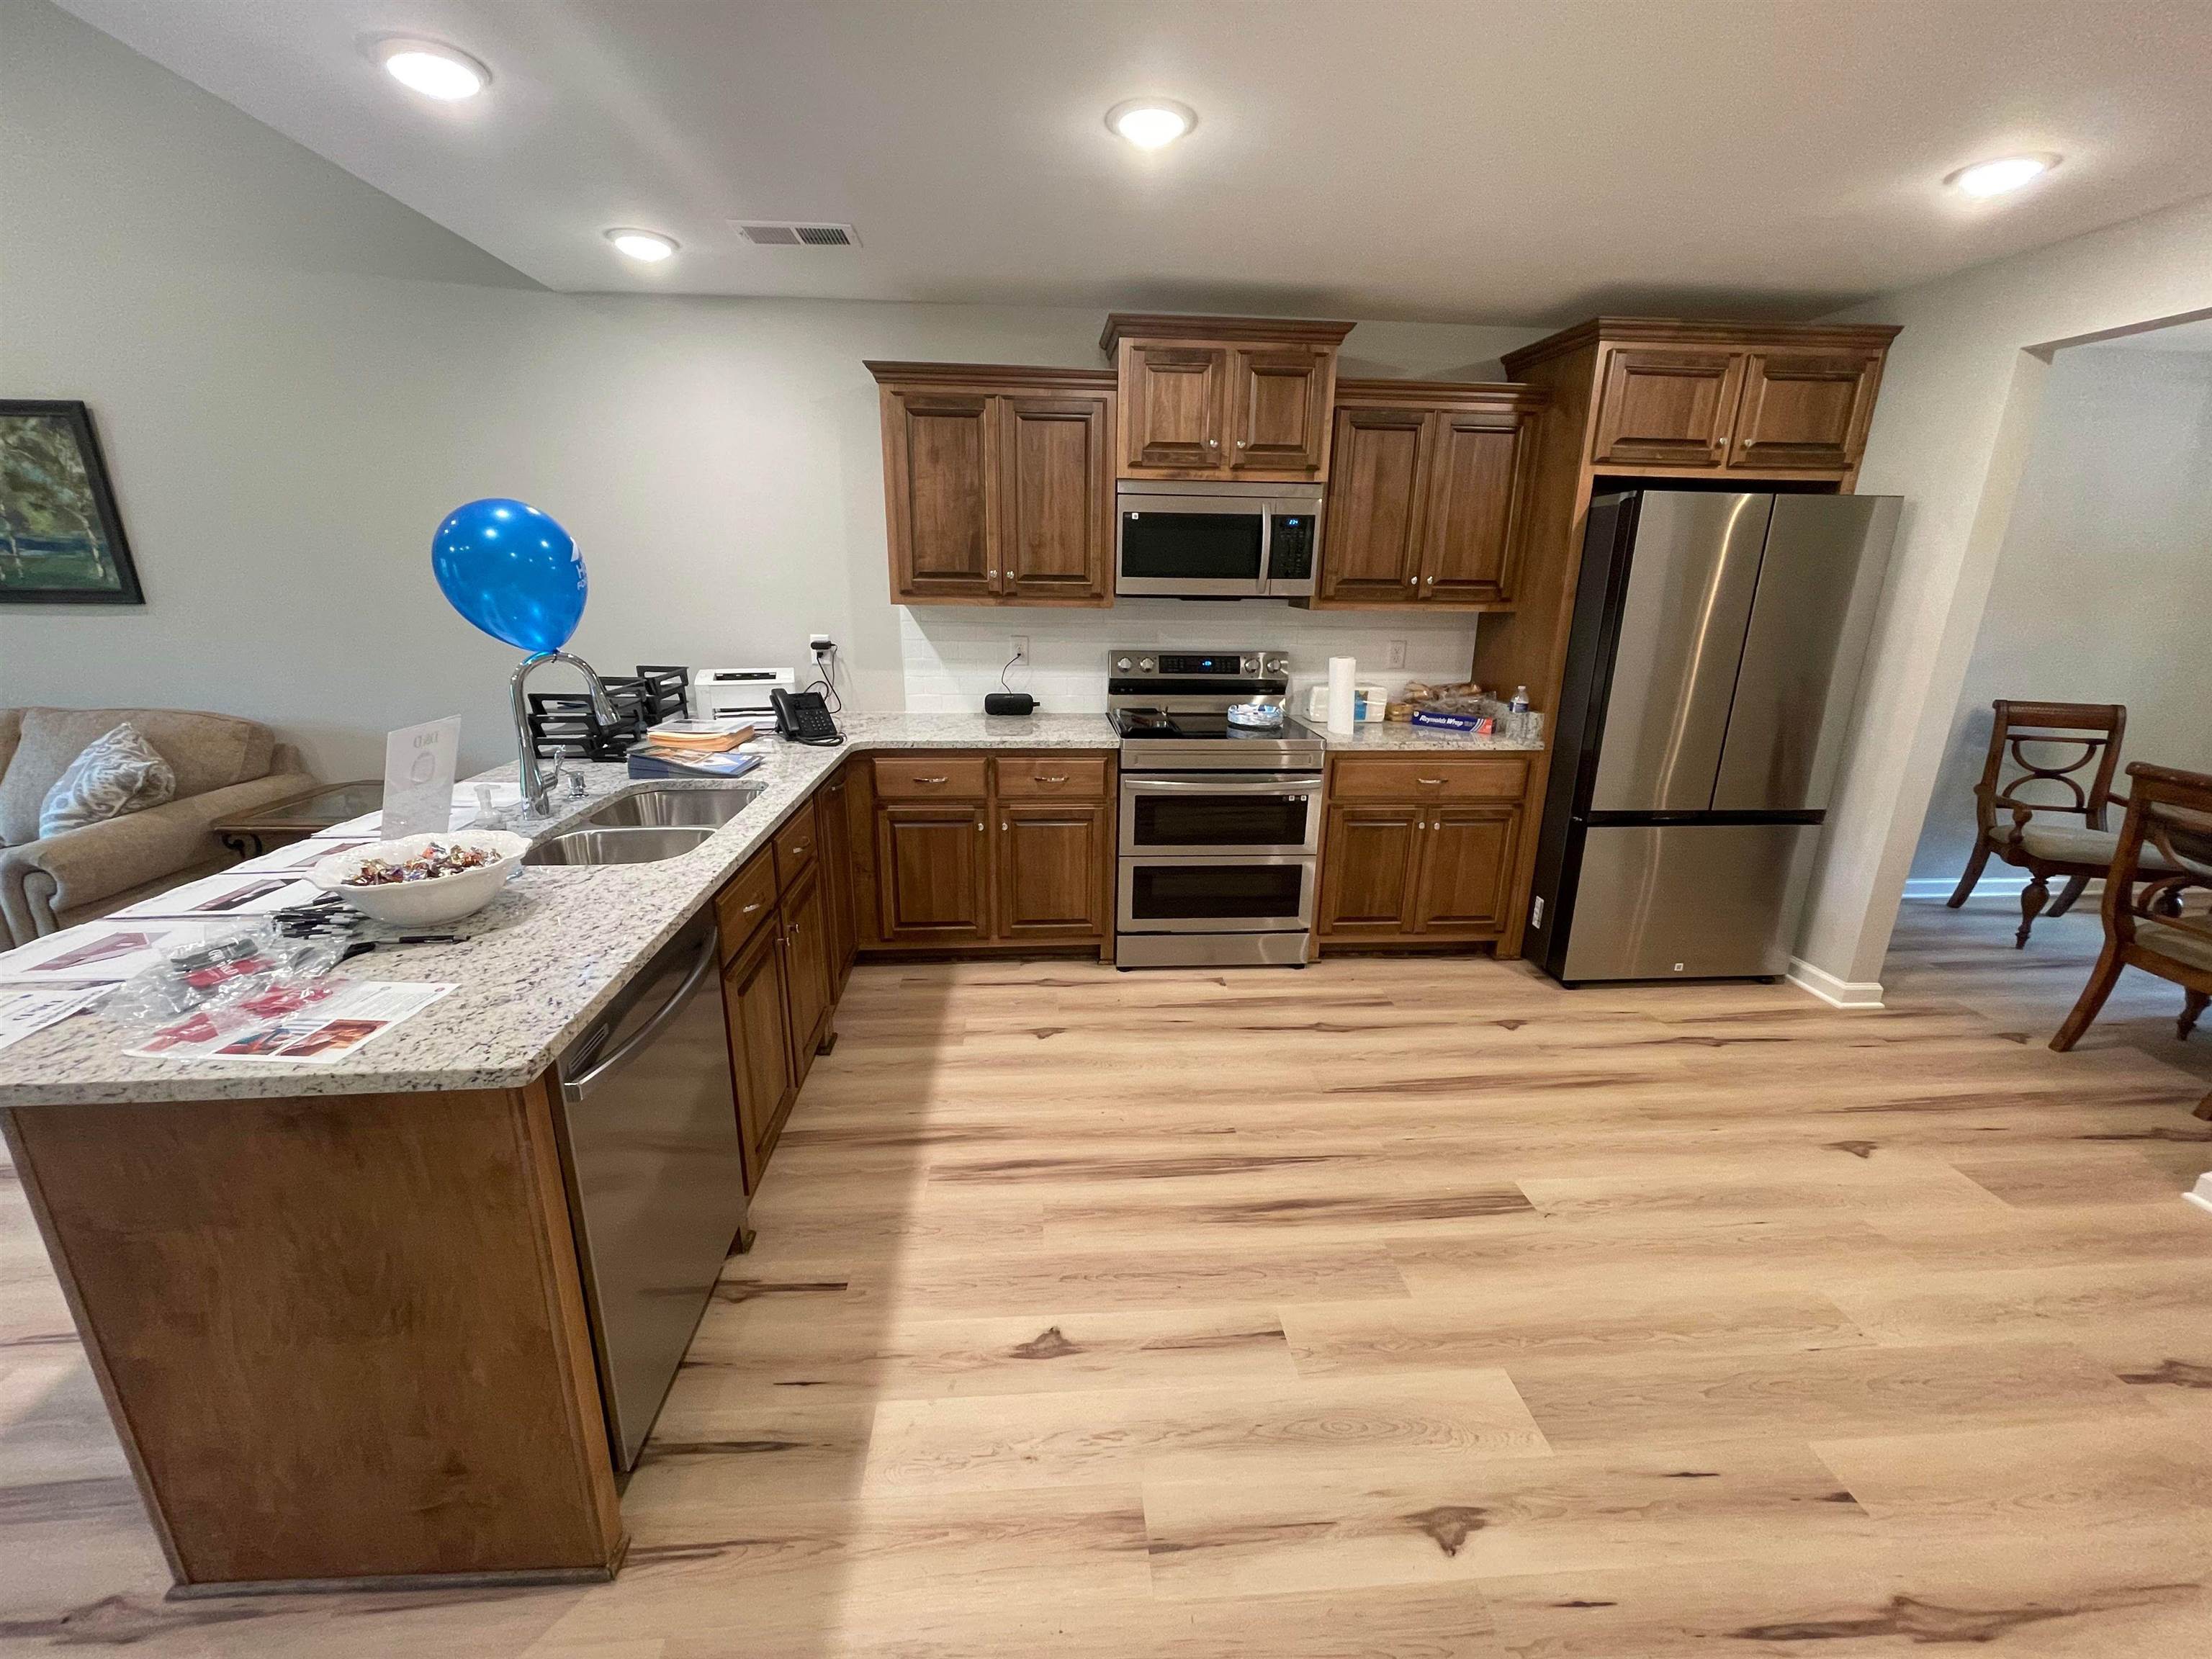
x=419, y=778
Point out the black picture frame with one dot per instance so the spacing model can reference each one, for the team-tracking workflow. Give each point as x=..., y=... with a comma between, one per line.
x=76, y=420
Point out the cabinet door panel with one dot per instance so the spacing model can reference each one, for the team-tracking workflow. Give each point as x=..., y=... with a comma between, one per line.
x=1368, y=868
x=753, y=1003
x=1058, y=487
x=1278, y=408
x=1467, y=871
x=944, y=544
x=807, y=972
x=1476, y=472
x=832, y=810
x=1664, y=407
x=1173, y=407
x=1371, y=548
x=1051, y=874
x=1804, y=409
x=930, y=871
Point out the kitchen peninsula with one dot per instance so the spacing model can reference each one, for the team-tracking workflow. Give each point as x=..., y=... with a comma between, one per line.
x=336, y=1312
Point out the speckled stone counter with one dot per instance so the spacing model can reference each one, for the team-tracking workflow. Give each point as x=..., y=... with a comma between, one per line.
x=1392, y=737
x=537, y=964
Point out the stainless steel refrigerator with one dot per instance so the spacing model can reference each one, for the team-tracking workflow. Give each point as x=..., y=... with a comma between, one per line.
x=1712, y=665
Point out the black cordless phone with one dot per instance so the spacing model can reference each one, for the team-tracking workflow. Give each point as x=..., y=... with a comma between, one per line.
x=804, y=717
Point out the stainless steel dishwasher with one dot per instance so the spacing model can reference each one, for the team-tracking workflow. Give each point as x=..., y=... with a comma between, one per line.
x=648, y=1132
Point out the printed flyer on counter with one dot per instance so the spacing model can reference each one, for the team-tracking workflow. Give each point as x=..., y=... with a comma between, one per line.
x=97, y=952
x=352, y=1012
x=28, y=1009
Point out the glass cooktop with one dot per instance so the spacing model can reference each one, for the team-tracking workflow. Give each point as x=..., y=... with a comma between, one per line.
x=1160, y=723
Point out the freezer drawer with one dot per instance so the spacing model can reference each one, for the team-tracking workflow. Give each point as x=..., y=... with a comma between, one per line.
x=1688, y=901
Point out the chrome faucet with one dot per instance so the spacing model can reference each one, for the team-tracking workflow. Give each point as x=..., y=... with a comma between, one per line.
x=538, y=781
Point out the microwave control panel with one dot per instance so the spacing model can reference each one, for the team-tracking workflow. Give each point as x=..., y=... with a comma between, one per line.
x=1290, y=547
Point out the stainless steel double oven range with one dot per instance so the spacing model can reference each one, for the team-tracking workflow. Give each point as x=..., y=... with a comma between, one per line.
x=1220, y=825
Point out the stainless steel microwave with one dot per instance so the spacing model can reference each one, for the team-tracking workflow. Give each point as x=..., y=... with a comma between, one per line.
x=1216, y=541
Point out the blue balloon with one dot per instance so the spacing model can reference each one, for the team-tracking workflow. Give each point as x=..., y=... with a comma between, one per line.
x=512, y=571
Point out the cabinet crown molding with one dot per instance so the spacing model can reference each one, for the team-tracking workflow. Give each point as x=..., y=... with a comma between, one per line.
x=1441, y=394
x=1014, y=375
x=1172, y=325
x=1677, y=331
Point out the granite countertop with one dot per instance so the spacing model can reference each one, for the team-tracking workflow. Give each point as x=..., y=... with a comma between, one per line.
x=542, y=959
x=1385, y=737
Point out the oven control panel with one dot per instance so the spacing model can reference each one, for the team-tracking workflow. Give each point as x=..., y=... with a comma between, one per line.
x=1200, y=665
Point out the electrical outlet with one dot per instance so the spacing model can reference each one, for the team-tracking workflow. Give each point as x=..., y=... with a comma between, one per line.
x=1394, y=657
x=1021, y=650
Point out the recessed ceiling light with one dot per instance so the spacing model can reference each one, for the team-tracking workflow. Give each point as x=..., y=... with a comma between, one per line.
x=1149, y=122
x=434, y=71
x=2006, y=173
x=648, y=246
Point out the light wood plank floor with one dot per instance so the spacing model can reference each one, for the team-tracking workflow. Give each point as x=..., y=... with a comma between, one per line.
x=1387, y=1308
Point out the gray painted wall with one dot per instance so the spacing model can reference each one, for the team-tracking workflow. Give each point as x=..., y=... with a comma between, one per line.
x=2104, y=586
x=295, y=378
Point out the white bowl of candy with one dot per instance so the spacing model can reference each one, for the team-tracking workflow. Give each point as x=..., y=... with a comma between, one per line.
x=421, y=879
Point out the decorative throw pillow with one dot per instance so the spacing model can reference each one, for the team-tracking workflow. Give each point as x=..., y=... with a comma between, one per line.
x=119, y=772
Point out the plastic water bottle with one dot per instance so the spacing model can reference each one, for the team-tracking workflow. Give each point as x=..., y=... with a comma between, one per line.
x=1520, y=703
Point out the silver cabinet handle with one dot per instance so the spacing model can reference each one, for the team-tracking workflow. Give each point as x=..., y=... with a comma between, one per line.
x=932, y=780
x=1003, y=824
x=1431, y=782
x=1412, y=581
x=1433, y=582
x=1062, y=778
x=1214, y=443
x=1240, y=443
x=754, y=906
x=798, y=848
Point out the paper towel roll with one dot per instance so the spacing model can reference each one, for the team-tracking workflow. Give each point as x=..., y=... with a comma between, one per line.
x=1342, y=713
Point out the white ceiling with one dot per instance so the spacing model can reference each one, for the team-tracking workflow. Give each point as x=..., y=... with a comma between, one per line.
x=1472, y=161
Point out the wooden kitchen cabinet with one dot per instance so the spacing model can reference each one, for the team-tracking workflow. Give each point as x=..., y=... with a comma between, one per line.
x=931, y=868
x=1803, y=411
x=755, y=1003
x=1047, y=880
x=808, y=988
x=976, y=851
x=1420, y=849
x=1223, y=397
x=1666, y=407
x=1427, y=505
x=998, y=484
x=833, y=810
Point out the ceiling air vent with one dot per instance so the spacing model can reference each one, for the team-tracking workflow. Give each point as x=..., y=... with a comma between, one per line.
x=785, y=234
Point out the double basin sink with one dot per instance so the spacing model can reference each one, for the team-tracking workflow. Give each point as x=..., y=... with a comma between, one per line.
x=647, y=827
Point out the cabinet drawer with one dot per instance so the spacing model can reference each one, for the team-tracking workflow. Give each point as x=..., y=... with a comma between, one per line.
x=930, y=777
x=745, y=902
x=1051, y=777
x=1413, y=778
x=796, y=843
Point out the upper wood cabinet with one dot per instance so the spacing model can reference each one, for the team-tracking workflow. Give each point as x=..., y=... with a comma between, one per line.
x=1223, y=397
x=998, y=484
x=1426, y=506
x=1750, y=399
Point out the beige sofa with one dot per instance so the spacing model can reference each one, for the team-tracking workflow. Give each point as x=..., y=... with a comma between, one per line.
x=223, y=765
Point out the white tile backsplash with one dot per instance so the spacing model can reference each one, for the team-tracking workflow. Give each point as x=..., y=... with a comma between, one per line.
x=951, y=656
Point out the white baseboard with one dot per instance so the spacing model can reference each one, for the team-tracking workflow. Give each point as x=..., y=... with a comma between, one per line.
x=1994, y=883
x=1836, y=993
x=2202, y=1197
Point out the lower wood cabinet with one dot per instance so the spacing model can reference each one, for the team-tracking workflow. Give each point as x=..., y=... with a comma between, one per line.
x=1049, y=883
x=1430, y=862
x=834, y=808
x=931, y=878
x=973, y=850
x=754, y=1002
x=808, y=990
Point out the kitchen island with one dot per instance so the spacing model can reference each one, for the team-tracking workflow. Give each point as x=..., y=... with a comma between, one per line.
x=336, y=1312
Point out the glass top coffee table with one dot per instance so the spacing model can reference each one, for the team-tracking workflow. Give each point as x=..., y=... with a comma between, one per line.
x=250, y=834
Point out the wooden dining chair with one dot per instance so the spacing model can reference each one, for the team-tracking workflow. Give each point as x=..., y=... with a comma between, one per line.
x=2146, y=926
x=2015, y=828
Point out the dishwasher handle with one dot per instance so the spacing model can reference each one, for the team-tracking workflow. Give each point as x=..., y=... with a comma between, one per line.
x=576, y=1089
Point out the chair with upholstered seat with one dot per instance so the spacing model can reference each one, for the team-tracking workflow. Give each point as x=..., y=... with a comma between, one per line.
x=2027, y=838
x=2146, y=924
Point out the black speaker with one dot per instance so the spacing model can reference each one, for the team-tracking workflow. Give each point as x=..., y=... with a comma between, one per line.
x=1009, y=702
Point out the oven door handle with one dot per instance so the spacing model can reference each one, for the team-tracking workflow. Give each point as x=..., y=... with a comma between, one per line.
x=1286, y=787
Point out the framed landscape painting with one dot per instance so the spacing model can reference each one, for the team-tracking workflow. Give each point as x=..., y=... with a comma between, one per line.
x=61, y=539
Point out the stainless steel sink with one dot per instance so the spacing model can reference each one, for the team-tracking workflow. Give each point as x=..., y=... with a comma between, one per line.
x=654, y=809
x=618, y=845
